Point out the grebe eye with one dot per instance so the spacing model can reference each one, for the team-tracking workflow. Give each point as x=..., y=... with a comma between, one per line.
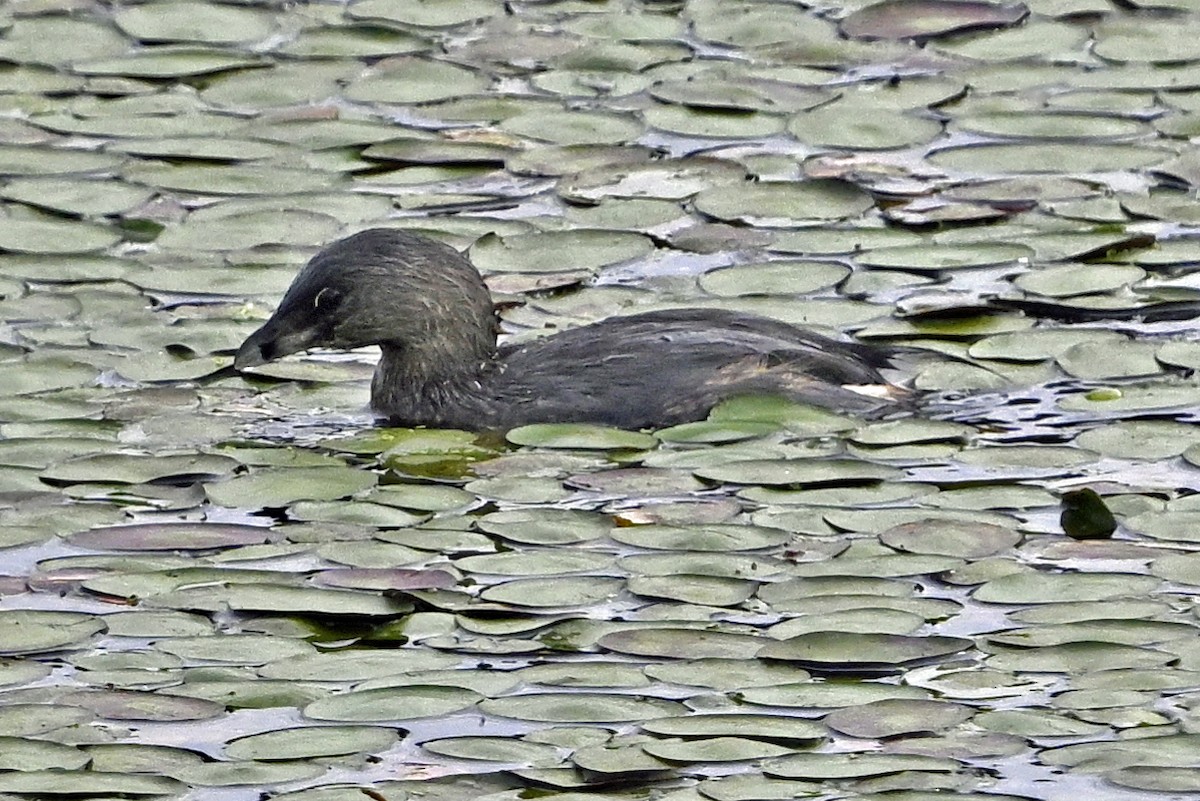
x=327, y=298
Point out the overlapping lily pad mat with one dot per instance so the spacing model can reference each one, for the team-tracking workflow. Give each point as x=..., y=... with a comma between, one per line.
x=221, y=584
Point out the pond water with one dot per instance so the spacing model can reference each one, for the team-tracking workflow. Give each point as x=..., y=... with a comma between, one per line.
x=228, y=586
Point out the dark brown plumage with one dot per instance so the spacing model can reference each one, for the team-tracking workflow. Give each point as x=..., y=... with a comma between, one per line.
x=428, y=309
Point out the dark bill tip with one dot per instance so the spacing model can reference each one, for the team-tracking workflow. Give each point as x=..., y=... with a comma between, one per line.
x=256, y=350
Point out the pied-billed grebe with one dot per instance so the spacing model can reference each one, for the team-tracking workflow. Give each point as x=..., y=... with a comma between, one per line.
x=428, y=309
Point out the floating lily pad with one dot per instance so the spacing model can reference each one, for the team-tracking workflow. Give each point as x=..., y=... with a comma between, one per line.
x=542, y=253
x=140, y=468
x=579, y=707
x=861, y=128
x=897, y=717
x=945, y=537
x=854, y=765
x=32, y=631
x=675, y=642
x=562, y=591
x=861, y=652
x=773, y=278
x=170, y=537
x=798, y=472
x=579, y=436
x=392, y=703
x=48, y=236
x=925, y=19
x=712, y=537
x=434, y=14
x=495, y=749
x=209, y=23
x=670, y=179
x=274, y=487
x=166, y=62
x=65, y=782
x=571, y=127
x=546, y=526
x=143, y=706
x=713, y=123
x=301, y=743
x=1042, y=588
x=783, y=204
x=713, y=749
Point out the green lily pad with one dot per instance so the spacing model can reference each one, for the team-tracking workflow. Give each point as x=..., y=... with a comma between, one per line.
x=66, y=782
x=562, y=591
x=857, y=127
x=783, y=204
x=664, y=641
x=579, y=436
x=170, y=537
x=275, y=487
x=392, y=703
x=715, y=537
x=34, y=631
x=543, y=252
x=798, y=472
x=495, y=749
x=773, y=278
x=545, y=526
x=946, y=257
x=208, y=23
x=713, y=749
x=1041, y=588
x=861, y=652
x=407, y=80
x=925, y=19
x=48, y=236
x=897, y=716
x=302, y=743
x=573, y=127
x=165, y=62
x=950, y=538
x=116, y=468
x=714, y=123
x=579, y=707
